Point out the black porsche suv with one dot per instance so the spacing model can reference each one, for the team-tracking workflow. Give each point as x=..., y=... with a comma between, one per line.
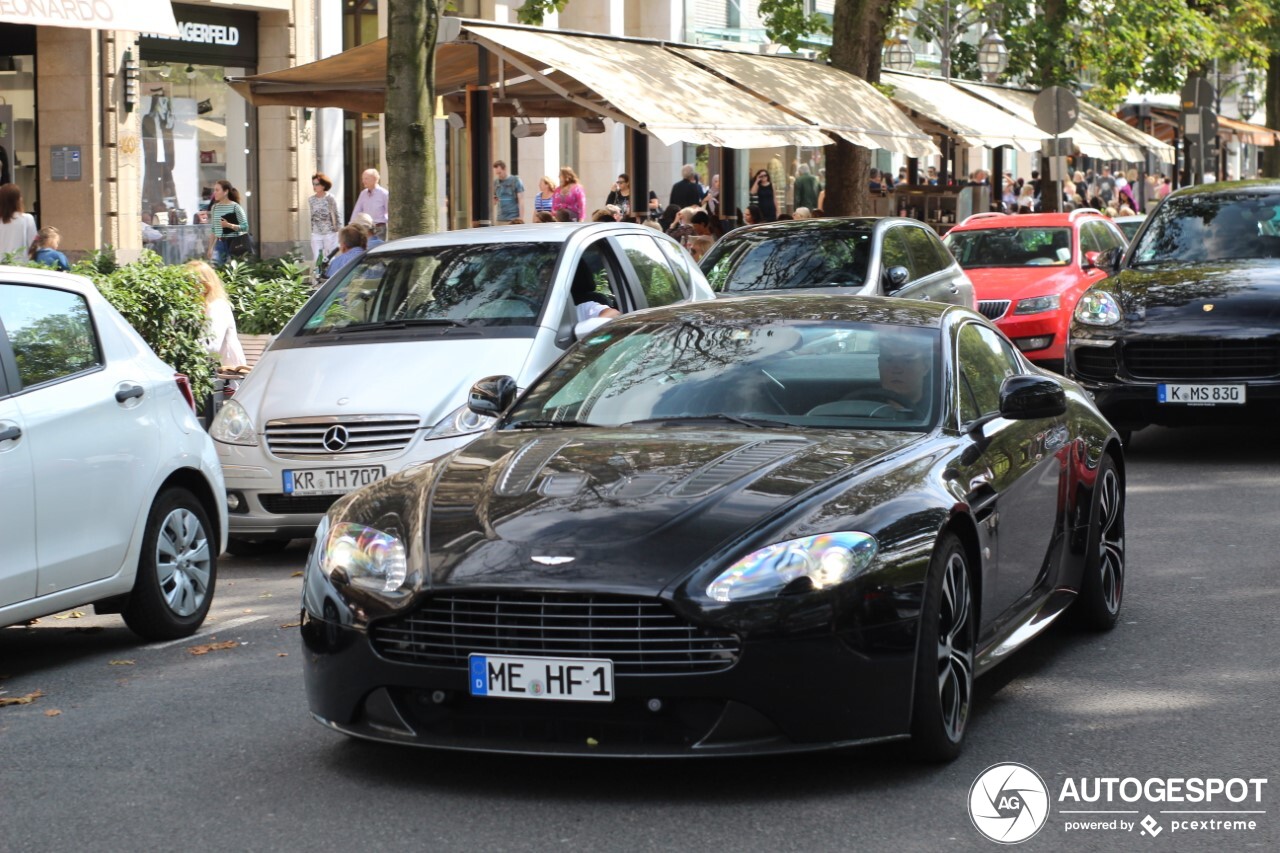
x=1186, y=329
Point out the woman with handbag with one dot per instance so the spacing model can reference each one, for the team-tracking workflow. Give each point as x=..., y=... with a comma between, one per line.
x=325, y=220
x=230, y=237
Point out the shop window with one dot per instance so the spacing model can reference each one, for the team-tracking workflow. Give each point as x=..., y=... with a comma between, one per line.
x=18, y=128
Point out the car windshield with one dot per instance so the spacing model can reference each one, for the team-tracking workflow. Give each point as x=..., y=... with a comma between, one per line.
x=752, y=371
x=493, y=284
x=1211, y=227
x=784, y=260
x=1010, y=247
x=1129, y=227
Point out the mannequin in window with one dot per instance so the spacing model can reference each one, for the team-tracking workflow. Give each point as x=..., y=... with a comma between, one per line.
x=157, y=149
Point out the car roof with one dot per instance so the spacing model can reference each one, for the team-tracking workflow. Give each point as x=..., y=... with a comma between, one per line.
x=1259, y=187
x=1029, y=220
x=870, y=309
x=36, y=275
x=538, y=232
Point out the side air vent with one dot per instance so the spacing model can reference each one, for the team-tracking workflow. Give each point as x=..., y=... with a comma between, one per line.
x=736, y=464
x=527, y=464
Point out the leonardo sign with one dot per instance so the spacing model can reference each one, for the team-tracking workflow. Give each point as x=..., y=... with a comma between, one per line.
x=151, y=15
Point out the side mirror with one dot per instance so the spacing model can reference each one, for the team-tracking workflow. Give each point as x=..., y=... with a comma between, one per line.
x=1031, y=397
x=492, y=396
x=1110, y=259
x=1091, y=260
x=896, y=278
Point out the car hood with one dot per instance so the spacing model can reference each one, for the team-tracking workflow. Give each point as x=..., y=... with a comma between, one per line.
x=624, y=509
x=429, y=378
x=1237, y=298
x=1014, y=283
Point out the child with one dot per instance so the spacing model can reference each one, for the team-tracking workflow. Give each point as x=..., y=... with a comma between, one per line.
x=44, y=249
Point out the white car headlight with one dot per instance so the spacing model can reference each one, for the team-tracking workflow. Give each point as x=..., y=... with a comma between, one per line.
x=825, y=560
x=461, y=421
x=1037, y=304
x=232, y=425
x=1098, y=308
x=363, y=557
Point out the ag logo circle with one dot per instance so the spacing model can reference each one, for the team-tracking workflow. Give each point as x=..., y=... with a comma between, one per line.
x=1008, y=803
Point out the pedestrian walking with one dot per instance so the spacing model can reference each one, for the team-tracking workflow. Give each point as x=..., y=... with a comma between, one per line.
x=686, y=192
x=374, y=201
x=711, y=202
x=44, y=249
x=542, y=200
x=17, y=228
x=762, y=193
x=221, y=339
x=325, y=219
x=806, y=194
x=570, y=196
x=507, y=192
x=230, y=236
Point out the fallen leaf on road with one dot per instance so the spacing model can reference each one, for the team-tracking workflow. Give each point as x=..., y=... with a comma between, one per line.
x=265, y=595
x=212, y=647
x=296, y=575
x=282, y=654
x=291, y=625
x=52, y=712
x=21, y=700
x=122, y=663
x=74, y=614
x=248, y=611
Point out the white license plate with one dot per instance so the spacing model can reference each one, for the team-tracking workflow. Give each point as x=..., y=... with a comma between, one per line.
x=331, y=481
x=567, y=679
x=1201, y=395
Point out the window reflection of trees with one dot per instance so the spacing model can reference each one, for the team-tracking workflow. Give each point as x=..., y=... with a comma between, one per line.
x=800, y=260
x=53, y=345
x=1200, y=228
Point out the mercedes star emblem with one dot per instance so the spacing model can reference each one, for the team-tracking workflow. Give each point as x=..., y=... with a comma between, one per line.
x=335, y=439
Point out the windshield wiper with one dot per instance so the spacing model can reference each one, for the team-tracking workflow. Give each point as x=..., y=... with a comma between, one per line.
x=401, y=324
x=753, y=423
x=534, y=423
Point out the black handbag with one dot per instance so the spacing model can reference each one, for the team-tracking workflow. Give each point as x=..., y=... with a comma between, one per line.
x=240, y=245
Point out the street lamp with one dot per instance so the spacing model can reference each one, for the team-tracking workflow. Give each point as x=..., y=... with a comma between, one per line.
x=1248, y=105
x=993, y=56
x=899, y=55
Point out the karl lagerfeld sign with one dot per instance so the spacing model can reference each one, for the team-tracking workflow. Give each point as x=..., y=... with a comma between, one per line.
x=155, y=15
x=206, y=35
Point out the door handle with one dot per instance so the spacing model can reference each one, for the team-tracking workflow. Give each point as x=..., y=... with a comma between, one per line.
x=10, y=434
x=128, y=393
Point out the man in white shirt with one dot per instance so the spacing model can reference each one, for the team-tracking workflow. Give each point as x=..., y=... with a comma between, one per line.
x=373, y=201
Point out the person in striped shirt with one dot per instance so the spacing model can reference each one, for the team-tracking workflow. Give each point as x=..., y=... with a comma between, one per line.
x=228, y=219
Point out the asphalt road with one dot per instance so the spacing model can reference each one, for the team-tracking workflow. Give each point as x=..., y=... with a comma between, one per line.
x=154, y=748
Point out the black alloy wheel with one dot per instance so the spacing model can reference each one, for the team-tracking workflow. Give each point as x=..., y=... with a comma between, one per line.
x=1102, y=585
x=944, y=655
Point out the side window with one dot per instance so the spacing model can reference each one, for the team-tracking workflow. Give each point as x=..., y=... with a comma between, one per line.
x=598, y=264
x=654, y=273
x=679, y=260
x=985, y=360
x=1088, y=239
x=893, y=251
x=50, y=331
x=925, y=259
x=1109, y=237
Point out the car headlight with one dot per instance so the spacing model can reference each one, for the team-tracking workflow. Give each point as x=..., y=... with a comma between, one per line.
x=232, y=425
x=825, y=560
x=461, y=421
x=363, y=557
x=1037, y=304
x=1098, y=308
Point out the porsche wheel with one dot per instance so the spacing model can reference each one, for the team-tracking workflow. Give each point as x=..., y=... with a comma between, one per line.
x=177, y=570
x=944, y=657
x=1102, y=586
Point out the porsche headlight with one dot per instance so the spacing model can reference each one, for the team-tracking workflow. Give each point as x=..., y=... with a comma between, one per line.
x=232, y=425
x=1098, y=308
x=825, y=560
x=461, y=421
x=363, y=557
x=1037, y=304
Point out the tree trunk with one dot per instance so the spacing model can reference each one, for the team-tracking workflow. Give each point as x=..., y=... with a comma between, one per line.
x=410, y=111
x=1271, y=158
x=857, y=37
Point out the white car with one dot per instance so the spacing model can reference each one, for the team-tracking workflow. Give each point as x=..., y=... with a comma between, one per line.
x=112, y=493
x=372, y=374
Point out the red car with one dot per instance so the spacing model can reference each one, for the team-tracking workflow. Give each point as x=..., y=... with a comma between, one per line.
x=1029, y=270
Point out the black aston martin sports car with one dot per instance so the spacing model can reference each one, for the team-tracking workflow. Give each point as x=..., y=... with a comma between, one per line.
x=1187, y=328
x=763, y=524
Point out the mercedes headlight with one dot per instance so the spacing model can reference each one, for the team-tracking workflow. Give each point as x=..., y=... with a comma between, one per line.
x=232, y=425
x=1098, y=308
x=1037, y=304
x=363, y=557
x=825, y=560
x=461, y=421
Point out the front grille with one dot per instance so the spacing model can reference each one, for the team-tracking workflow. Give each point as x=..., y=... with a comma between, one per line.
x=293, y=438
x=1094, y=362
x=298, y=504
x=993, y=309
x=642, y=636
x=1198, y=359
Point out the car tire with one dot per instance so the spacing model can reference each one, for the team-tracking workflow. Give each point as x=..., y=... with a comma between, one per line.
x=944, y=655
x=177, y=569
x=238, y=547
x=1101, y=595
